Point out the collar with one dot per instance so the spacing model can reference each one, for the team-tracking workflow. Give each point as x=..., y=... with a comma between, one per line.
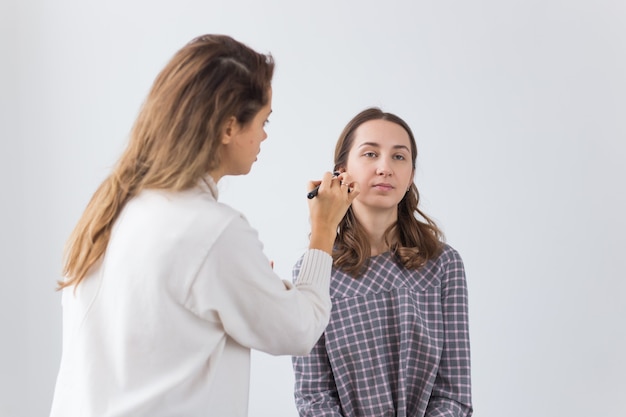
x=207, y=183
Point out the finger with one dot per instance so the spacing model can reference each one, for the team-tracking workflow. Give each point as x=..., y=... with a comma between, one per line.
x=326, y=181
x=327, y=177
x=331, y=179
x=312, y=184
x=355, y=189
x=313, y=188
x=315, y=183
x=345, y=177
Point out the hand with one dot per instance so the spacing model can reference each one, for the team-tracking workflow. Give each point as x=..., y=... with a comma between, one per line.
x=334, y=197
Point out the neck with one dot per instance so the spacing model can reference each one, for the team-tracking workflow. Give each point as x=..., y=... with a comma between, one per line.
x=375, y=223
x=216, y=175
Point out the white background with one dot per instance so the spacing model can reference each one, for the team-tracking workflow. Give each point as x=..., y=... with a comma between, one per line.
x=519, y=109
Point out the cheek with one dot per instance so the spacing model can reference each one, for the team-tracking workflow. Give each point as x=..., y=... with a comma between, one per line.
x=411, y=176
x=354, y=165
x=248, y=143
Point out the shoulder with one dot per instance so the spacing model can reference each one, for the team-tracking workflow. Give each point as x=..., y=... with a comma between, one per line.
x=451, y=267
x=443, y=267
x=449, y=255
x=189, y=212
x=192, y=200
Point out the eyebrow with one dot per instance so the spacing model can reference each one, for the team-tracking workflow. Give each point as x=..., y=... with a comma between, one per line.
x=376, y=145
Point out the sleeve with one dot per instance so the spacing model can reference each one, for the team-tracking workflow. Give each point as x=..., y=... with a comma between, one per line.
x=315, y=390
x=237, y=287
x=451, y=395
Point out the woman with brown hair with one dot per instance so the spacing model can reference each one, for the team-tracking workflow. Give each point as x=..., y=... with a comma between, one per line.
x=166, y=289
x=398, y=341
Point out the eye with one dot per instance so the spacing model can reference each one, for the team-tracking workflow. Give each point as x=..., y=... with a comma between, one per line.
x=266, y=122
x=399, y=157
x=370, y=154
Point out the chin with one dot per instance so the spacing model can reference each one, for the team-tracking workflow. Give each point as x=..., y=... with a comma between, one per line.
x=239, y=172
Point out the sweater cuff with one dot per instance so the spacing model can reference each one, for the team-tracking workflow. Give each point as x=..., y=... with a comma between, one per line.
x=315, y=269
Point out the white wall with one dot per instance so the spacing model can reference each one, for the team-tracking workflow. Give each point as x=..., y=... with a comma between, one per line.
x=519, y=110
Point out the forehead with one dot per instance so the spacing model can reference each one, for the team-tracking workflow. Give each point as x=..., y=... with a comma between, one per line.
x=381, y=133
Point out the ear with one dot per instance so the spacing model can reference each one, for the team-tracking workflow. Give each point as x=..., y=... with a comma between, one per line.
x=412, y=180
x=229, y=130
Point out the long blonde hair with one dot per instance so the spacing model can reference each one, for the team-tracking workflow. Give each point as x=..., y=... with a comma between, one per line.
x=175, y=140
x=413, y=239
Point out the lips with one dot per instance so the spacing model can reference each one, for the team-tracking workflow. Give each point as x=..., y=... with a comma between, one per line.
x=384, y=186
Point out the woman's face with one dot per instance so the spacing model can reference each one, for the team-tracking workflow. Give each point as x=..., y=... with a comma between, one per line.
x=380, y=161
x=242, y=144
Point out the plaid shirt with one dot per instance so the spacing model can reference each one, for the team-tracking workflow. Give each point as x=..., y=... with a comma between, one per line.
x=397, y=344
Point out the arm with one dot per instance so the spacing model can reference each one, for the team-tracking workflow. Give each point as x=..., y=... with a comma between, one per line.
x=451, y=395
x=237, y=289
x=315, y=391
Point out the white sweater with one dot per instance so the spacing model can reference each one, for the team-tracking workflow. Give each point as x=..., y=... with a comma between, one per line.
x=164, y=324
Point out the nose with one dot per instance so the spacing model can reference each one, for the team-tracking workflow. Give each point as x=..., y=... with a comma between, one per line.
x=383, y=169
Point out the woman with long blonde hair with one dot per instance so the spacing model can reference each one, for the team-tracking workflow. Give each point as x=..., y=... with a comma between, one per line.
x=165, y=289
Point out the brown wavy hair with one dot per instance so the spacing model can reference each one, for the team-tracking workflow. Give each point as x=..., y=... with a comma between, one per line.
x=413, y=239
x=176, y=138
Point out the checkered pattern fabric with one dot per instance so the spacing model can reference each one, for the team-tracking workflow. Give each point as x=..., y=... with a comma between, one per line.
x=397, y=344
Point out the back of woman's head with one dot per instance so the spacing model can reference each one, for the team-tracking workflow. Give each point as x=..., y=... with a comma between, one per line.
x=176, y=139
